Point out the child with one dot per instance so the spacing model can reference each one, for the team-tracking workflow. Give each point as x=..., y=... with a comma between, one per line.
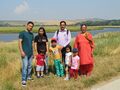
x=68, y=57
x=40, y=61
x=55, y=51
x=74, y=64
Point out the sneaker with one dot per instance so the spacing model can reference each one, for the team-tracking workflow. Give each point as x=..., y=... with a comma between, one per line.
x=29, y=78
x=23, y=83
x=42, y=76
x=46, y=72
x=66, y=78
x=38, y=76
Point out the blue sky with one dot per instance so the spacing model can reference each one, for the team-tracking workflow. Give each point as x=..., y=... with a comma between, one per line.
x=58, y=9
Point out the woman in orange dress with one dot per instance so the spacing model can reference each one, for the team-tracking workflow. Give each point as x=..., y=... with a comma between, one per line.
x=85, y=45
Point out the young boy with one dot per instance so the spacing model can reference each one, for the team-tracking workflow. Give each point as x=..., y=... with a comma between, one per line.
x=40, y=62
x=55, y=51
x=75, y=64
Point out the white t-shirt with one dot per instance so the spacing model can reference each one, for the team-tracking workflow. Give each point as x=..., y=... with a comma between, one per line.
x=67, y=58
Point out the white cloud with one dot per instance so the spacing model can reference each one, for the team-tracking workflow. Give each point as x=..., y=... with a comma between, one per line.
x=23, y=7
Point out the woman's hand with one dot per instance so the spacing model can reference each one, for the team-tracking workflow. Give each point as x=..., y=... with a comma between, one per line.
x=86, y=35
x=47, y=54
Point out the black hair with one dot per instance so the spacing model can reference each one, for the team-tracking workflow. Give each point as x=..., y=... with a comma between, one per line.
x=63, y=22
x=30, y=22
x=68, y=46
x=41, y=51
x=44, y=34
x=83, y=25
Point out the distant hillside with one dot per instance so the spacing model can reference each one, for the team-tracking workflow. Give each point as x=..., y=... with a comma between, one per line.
x=42, y=22
x=90, y=22
x=12, y=23
x=100, y=23
x=56, y=22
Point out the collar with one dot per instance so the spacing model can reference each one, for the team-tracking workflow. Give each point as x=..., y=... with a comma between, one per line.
x=63, y=30
x=28, y=31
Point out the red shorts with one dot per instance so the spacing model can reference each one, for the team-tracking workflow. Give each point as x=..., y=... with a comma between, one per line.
x=74, y=73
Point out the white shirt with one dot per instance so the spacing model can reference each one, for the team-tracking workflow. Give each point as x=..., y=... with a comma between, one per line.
x=67, y=58
x=62, y=38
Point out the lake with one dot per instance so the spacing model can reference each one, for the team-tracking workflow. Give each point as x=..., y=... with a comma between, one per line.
x=14, y=36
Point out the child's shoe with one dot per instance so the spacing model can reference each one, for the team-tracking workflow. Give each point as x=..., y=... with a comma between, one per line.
x=38, y=76
x=42, y=76
x=29, y=78
x=67, y=78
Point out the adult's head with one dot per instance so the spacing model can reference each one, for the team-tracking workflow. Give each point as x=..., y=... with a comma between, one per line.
x=83, y=28
x=62, y=25
x=42, y=32
x=30, y=26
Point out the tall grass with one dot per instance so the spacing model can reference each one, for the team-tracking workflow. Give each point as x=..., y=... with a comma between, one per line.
x=107, y=65
x=9, y=65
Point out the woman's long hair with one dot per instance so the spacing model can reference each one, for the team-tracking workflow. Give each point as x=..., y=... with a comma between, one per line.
x=44, y=32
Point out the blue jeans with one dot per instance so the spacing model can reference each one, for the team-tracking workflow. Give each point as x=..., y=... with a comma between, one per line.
x=26, y=67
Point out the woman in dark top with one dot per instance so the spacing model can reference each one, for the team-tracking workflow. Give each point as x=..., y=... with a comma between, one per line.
x=41, y=44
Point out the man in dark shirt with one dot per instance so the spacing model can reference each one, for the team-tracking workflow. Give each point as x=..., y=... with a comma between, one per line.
x=26, y=39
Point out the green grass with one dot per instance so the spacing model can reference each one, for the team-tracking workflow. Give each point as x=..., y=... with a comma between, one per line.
x=51, y=28
x=48, y=29
x=107, y=65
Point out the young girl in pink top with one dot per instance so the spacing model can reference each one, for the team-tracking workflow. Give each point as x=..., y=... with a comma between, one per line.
x=75, y=62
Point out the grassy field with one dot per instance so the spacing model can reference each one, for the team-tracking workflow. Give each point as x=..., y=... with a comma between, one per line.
x=48, y=29
x=107, y=65
x=51, y=28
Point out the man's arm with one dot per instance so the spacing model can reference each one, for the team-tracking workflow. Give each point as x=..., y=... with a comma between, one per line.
x=20, y=48
x=35, y=48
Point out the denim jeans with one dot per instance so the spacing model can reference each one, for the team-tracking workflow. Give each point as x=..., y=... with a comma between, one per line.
x=26, y=67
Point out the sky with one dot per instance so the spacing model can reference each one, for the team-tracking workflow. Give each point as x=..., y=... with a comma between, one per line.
x=59, y=9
